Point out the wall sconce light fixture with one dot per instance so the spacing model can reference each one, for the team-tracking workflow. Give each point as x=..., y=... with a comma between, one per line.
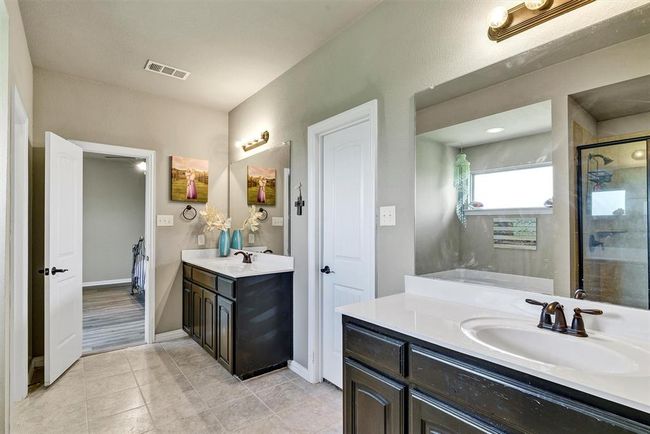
x=264, y=138
x=504, y=23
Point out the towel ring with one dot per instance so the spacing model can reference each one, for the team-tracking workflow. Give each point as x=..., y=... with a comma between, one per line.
x=189, y=213
x=266, y=214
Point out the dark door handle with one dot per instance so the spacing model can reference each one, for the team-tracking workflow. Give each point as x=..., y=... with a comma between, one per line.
x=45, y=271
x=326, y=270
x=58, y=270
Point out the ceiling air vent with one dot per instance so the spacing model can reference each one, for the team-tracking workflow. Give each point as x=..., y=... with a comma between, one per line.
x=167, y=70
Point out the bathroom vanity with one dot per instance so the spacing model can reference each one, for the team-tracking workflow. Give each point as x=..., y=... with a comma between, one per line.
x=432, y=360
x=240, y=313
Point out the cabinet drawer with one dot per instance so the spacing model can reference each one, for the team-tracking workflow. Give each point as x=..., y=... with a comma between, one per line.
x=205, y=279
x=429, y=415
x=374, y=349
x=226, y=287
x=187, y=272
x=506, y=402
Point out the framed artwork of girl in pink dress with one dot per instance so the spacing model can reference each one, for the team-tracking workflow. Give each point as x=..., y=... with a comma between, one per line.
x=189, y=179
x=261, y=186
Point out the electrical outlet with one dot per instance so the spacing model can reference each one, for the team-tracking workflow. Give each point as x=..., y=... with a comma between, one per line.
x=251, y=239
x=277, y=221
x=387, y=216
x=200, y=239
x=165, y=220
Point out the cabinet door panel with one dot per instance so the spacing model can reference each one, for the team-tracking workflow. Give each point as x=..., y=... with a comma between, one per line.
x=209, y=322
x=373, y=404
x=225, y=325
x=430, y=416
x=197, y=295
x=187, y=306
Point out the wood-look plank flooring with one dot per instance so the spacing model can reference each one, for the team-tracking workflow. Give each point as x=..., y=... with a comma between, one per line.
x=113, y=318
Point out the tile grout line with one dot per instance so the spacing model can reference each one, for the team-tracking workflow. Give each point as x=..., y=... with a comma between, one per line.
x=144, y=402
x=190, y=383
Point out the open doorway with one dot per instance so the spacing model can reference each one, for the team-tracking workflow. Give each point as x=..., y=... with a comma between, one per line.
x=113, y=252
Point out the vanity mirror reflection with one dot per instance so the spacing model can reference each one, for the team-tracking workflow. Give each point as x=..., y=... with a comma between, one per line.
x=537, y=188
x=261, y=181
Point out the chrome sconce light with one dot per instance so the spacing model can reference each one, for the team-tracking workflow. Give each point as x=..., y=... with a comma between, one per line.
x=264, y=138
x=504, y=23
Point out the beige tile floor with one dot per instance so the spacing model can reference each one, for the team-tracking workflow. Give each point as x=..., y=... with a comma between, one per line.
x=175, y=387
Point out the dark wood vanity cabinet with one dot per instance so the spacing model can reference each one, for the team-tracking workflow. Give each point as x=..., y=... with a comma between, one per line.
x=396, y=384
x=245, y=323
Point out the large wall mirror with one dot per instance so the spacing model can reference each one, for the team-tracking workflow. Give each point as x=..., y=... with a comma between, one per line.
x=261, y=181
x=538, y=184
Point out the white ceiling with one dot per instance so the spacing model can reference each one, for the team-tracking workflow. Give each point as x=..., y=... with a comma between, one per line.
x=520, y=122
x=233, y=48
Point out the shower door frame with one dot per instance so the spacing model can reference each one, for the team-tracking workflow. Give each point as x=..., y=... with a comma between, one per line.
x=579, y=204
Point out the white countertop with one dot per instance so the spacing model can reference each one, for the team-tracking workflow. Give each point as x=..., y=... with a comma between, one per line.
x=232, y=266
x=434, y=315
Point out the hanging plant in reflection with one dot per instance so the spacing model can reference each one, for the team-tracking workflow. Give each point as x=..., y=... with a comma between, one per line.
x=462, y=185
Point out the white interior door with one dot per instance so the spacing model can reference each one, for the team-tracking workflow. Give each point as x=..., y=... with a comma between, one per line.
x=63, y=255
x=348, y=231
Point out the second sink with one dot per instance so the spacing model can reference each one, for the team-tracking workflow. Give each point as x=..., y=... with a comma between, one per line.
x=596, y=354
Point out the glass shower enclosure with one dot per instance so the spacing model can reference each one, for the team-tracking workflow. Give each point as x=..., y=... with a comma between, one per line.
x=612, y=211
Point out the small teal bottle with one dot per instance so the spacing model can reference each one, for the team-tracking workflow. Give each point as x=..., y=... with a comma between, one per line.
x=224, y=243
x=236, y=240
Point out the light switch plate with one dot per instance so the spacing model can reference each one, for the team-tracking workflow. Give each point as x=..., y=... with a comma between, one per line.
x=165, y=220
x=387, y=216
x=200, y=239
x=251, y=238
x=277, y=221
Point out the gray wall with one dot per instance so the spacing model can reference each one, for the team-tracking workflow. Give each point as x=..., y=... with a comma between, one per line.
x=81, y=109
x=268, y=235
x=397, y=49
x=113, y=217
x=437, y=242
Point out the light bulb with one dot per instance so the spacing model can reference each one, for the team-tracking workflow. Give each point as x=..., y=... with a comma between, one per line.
x=639, y=154
x=536, y=5
x=494, y=130
x=142, y=166
x=498, y=17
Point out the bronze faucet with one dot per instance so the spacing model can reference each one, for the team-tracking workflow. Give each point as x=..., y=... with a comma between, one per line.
x=559, y=324
x=247, y=257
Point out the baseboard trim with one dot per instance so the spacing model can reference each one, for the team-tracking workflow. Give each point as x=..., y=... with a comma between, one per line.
x=106, y=282
x=170, y=335
x=298, y=369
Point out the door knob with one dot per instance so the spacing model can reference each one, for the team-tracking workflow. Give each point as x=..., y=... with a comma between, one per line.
x=58, y=270
x=326, y=270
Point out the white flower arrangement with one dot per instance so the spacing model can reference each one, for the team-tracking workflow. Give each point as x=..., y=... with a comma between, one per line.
x=253, y=220
x=214, y=219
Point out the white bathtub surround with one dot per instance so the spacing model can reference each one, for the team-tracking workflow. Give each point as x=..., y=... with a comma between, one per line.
x=493, y=279
x=453, y=315
x=232, y=266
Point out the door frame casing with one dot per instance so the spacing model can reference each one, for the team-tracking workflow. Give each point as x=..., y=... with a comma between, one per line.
x=19, y=258
x=150, y=222
x=364, y=113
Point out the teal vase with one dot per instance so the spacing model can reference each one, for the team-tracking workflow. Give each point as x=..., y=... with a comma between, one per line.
x=224, y=243
x=236, y=239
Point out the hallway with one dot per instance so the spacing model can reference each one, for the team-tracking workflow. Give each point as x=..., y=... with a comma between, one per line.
x=112, y=318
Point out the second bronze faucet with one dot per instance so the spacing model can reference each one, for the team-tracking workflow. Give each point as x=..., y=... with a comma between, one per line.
x=559, y=324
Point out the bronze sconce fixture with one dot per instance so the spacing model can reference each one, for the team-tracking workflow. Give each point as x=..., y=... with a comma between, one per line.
x=264, y=138
x=504, y=23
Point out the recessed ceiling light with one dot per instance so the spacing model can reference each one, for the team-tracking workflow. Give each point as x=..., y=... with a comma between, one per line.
x=639, y=154
x=494, y=130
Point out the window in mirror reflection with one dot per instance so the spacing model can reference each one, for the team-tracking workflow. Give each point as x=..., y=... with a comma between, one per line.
x=608, y=203
x=529, y=187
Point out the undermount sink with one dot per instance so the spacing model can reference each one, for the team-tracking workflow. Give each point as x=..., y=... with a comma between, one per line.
x=595, y=354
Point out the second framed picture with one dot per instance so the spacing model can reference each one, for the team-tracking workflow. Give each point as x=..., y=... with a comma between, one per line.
x=261, y=186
